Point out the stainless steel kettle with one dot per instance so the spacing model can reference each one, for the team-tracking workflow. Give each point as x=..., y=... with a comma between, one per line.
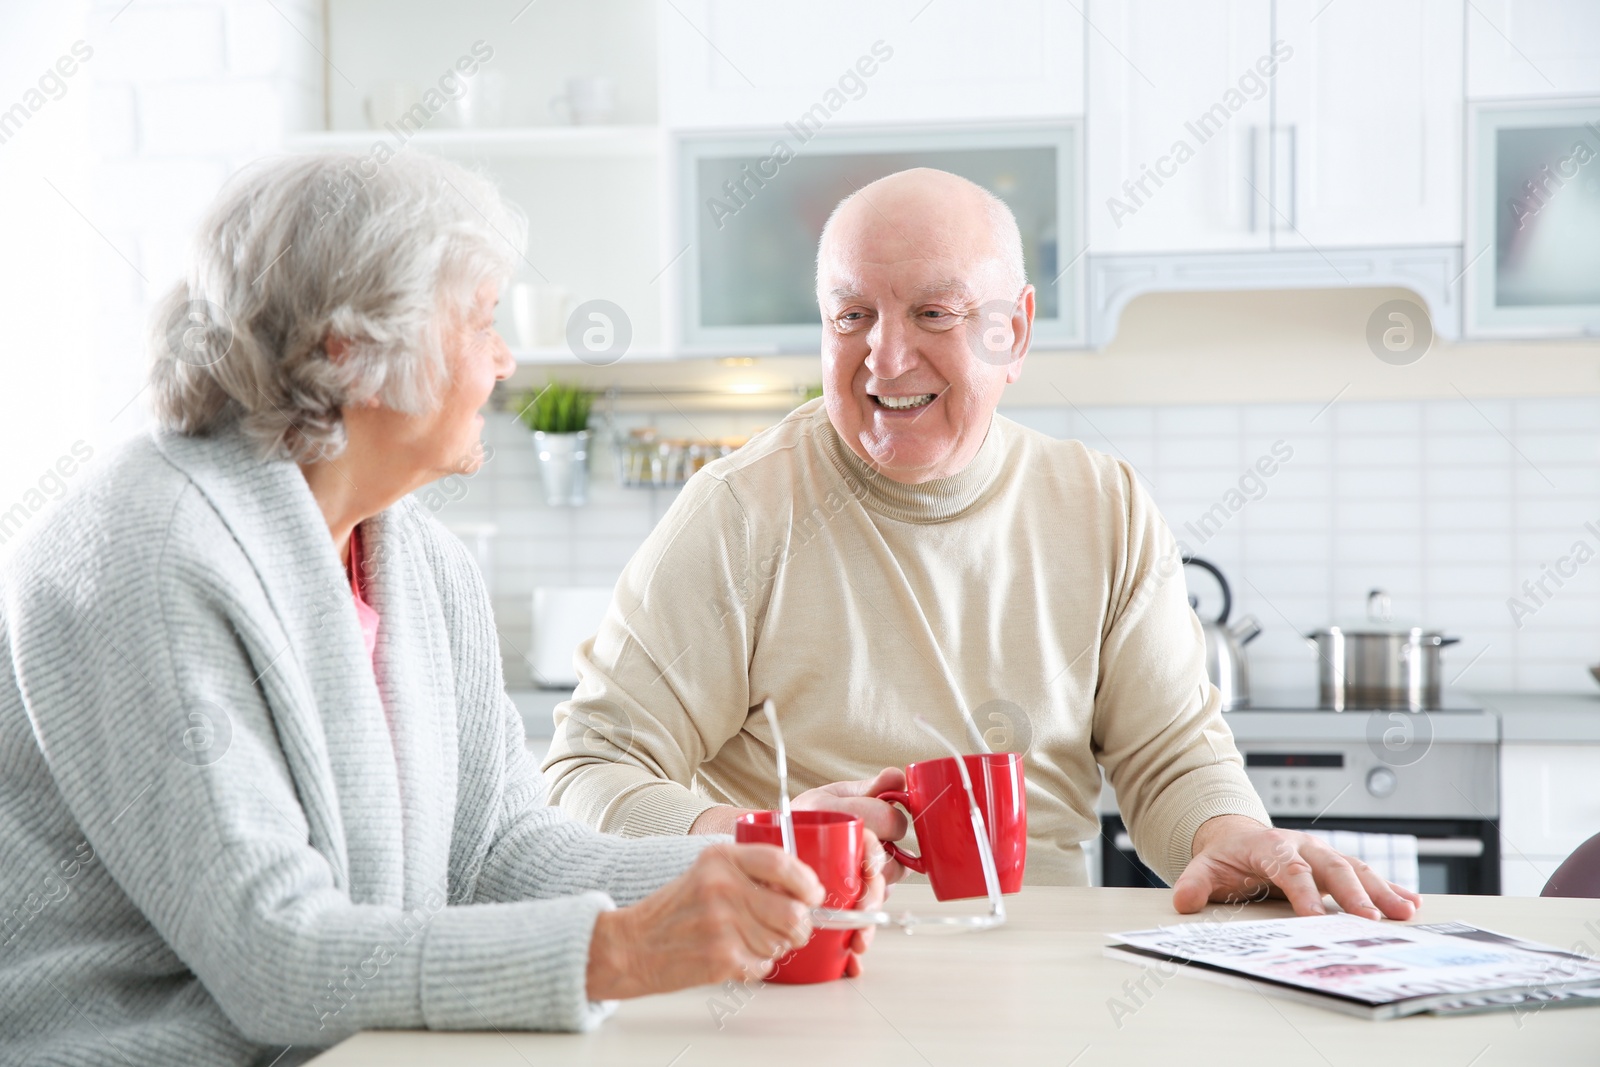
x=1226, y=663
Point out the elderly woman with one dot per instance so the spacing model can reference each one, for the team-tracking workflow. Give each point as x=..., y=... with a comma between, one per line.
x=262, y=785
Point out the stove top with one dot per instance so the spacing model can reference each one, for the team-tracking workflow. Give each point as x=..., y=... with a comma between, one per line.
x=1305, y=700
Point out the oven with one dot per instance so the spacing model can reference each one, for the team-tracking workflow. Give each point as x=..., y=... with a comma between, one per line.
x=1433, y=774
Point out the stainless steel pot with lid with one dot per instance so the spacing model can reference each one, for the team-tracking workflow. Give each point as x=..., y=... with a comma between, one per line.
x=1379, y=663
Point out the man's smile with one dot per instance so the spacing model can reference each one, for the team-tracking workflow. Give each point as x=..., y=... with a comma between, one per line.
x=906, y=403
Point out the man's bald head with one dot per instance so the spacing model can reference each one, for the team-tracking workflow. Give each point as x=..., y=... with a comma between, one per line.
x=926, y=318
x=931, y=214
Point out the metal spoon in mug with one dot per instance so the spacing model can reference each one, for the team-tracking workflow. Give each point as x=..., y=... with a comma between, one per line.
x=854, y=919
x=785, y=814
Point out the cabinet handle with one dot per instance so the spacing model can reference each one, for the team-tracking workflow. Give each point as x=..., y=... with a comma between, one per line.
x=1254, y=164
x=1471, y=847
x=1294, y=178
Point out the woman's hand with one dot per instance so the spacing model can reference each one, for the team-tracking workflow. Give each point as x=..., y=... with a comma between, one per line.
x=873, y=866
x=729, y=916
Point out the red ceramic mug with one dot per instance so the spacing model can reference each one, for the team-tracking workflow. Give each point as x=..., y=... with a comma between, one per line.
x=937, y=801
x=832, y=845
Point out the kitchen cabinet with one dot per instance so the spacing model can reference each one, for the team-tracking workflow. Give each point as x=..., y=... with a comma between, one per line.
x=1237, y=125
x=1532, y=48
x=1367, y=145
x=1534, y=223
x=1549, y=805
x=729, y=64
x=1179, y=112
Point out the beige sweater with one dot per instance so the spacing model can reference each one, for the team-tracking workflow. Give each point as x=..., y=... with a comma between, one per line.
x=1039, y=585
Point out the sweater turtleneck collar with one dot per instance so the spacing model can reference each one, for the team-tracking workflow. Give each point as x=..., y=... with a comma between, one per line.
x=926, y=502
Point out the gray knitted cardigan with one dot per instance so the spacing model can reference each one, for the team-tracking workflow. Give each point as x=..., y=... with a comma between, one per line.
x=216, y=838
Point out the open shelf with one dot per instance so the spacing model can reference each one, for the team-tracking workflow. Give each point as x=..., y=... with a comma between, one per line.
x=502, y=141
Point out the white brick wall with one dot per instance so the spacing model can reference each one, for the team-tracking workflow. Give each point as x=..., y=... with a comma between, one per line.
x=183, y=93
x=1426, y=499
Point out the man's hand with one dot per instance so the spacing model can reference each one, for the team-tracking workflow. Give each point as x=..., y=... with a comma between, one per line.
x=885, y=821
x=1235, y=857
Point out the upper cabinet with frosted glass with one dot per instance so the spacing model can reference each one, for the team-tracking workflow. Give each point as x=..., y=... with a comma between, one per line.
x=776, y=111
x=1533, y=177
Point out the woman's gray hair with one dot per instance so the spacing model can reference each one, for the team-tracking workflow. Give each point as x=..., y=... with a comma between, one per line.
x=298, y=249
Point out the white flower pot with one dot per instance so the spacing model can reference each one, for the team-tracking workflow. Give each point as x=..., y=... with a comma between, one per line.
x=563, y=467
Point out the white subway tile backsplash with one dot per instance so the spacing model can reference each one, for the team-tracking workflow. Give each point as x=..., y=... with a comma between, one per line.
x=1209, y=420
x=1312, y=547
x=1560, y=480
x=1112, y=423
x=1471, y=611
x=1296, y=482
x=1181, y=453
x=1053, y=422
x=1485, y=514
x=1485, y=674
x=1484, y=578
x=1273, y=580
x=1378, y=418
x=1556, y=513
x=1579, y=413
x=1467, y=449
x=1400, y=579
x=1359, y=514
x=1490, y=480
x=1553, y=677
x=1566, y=607
x=1355, y=483
x=1561, y=642
x=1541, y=449
x=1284, y=419
x=1280, y=513
x=1459, y=416
x=1469, y=546
x=1362, y=451
x=1303, y=449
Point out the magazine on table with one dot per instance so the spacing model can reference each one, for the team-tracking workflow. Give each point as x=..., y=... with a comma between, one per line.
x=1377, y=970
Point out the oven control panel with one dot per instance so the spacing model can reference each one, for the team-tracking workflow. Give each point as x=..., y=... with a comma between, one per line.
x=1287, y=793
x=1308, y=781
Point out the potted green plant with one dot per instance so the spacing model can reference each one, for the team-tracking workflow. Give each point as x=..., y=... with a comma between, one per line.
x=558, y=415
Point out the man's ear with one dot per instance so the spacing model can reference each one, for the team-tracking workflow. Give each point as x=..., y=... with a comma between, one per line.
x=1021, y=333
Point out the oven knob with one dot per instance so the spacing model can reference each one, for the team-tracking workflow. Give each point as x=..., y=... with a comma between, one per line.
x=1381, y=782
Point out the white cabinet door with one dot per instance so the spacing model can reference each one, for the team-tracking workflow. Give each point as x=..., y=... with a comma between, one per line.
x=1525, y=876
x=1368, y=140
x=1523, y=48
x=731, y=63
x=1549, y=799
x=1177, y=125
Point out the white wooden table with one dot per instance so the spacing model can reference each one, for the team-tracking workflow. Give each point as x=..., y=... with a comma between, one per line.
x=1037, y=991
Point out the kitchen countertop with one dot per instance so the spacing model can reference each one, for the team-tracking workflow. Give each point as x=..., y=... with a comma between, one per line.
x=1037, y=990
x=1545, y=718
x=1527, y=718
x=537, y=706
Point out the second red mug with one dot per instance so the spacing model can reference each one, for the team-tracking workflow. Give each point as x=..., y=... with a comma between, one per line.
x=937, y=801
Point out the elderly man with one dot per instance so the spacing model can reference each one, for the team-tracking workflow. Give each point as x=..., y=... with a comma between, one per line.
x=899, y=549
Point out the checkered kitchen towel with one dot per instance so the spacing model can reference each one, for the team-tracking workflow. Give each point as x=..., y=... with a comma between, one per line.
x=1393, y=856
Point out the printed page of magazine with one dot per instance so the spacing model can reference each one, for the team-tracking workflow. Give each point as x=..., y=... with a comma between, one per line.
x=1411, y=967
